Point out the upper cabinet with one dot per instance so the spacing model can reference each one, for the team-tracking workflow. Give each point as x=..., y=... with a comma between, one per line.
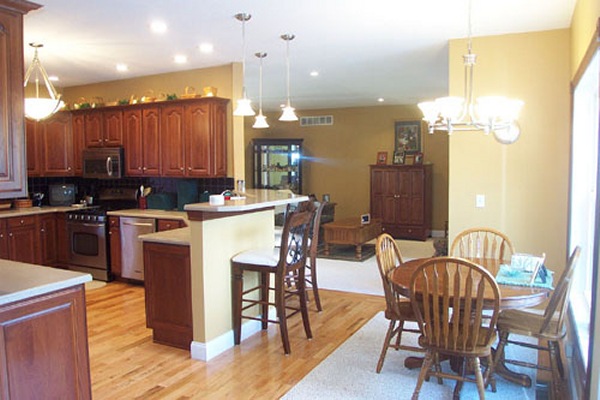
x=13, y=173
x=50, y=146
x=141, y=135
x=193, y=138
x=103, y=128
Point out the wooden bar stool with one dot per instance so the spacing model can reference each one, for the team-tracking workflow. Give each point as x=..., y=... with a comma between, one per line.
x=287, y=264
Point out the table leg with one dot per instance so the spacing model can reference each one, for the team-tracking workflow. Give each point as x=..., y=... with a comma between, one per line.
x=520, y=379
x=358, y=251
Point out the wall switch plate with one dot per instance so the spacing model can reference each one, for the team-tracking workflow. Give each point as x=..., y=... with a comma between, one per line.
x=480, y=200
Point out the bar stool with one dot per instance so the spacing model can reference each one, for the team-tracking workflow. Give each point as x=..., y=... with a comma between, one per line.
x=287, y=264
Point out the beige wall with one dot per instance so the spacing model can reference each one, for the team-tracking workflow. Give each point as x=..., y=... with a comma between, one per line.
x=338, y=156
x=583, y=26
x=525, y=183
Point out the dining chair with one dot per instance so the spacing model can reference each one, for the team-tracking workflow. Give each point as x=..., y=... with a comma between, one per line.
x=398, y=309
x=482, y=243
x=287, y=264
x=548, y=326
x=448, y=296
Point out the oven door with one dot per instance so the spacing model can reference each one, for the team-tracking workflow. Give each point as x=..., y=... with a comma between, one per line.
x=88, y=244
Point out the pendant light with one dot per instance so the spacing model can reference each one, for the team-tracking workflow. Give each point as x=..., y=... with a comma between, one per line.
x=261, y=120
x=495, y=114
x=243, y=108
x=288, y=111
x=39, y=108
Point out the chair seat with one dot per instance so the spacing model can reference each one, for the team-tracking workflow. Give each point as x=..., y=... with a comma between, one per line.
x=405, y=311
x=529, y=322
x=482, y=348
x=268, y=257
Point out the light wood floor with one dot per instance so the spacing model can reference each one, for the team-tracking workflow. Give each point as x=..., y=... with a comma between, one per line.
x=125, y=364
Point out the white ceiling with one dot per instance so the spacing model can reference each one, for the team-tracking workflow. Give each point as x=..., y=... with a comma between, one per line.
x=363, y=50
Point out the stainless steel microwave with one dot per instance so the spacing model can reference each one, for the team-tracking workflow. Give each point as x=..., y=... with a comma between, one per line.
x=103, y=163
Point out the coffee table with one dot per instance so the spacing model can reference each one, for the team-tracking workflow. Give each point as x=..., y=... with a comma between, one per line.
x=350, y=231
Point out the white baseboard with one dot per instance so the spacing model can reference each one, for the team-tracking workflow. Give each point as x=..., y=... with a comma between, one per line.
x=438, y=234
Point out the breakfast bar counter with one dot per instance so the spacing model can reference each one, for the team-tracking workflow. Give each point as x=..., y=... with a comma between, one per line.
x=217, y=232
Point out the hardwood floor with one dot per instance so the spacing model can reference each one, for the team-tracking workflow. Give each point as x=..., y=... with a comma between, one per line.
x=126, y=364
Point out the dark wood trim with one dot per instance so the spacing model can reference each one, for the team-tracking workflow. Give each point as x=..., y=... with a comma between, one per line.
x=21, y=6
x=208, y=215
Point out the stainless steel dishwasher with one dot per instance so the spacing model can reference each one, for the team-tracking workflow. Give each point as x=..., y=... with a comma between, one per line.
x=132, y=253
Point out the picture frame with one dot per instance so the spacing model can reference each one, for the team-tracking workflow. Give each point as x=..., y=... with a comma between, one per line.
x=409, y=159
x=399, y=157
x=382, y=157
x=419, y=159
x=408, y=136
x=365, y=219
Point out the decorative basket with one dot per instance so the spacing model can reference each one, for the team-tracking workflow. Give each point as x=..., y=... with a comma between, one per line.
x=149, y=97
x=189, y=93
x=23, y=203
x=209, y=91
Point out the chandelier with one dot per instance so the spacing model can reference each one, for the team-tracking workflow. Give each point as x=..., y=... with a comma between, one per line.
x=39, y=108
x=260, y=121
x=288, y=111
x=243, y=107
x=496, y=114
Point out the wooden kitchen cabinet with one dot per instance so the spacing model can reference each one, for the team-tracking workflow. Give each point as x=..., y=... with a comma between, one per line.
x=4, y=240
x=45, y=347
x=168, y=224
x=50, y=146
x=114, y=234
x=141, y=138
x=62, y=238
x=78, y=130
x=48, y=230
x=168, y=288
x=401, y=198
x=13, y=167
x=103, y=128
x=193, y=138
x=23, y=239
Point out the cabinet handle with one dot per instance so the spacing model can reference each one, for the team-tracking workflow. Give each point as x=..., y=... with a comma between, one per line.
x=181, y=169
x=42, y=230
x=22, y=222
x=139, y=168
x=68, y=168
x=109, y=233
x=10, y=234
x=1, y=235
x=189, y=168
x=106, y=140
x=144, y=168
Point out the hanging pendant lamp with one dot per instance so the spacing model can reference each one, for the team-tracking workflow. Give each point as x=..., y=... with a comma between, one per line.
x=261, y=120
x=288, y=111
x=243, y=107
x=39, y=108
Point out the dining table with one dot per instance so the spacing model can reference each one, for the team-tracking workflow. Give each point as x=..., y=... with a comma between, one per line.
x=512, y=297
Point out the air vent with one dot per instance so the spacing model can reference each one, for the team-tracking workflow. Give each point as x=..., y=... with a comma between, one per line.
x=315, y=121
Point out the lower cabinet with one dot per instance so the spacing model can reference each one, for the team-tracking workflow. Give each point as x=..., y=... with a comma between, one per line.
x=169, y=224
x=34, y=239
x=45, y=348
x=48, y=239
x=114, y=233
x=167, y=281
x=23, y=239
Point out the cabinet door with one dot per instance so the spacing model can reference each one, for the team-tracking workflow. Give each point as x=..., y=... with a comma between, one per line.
x=13, y=167
x=114, y=234
x=23, y=239
x=219, y=140
x=45, y=347
x=56, y=140
x=198, y=132
x=48, y=240
x=78, y=129
x=34, y=163
x=151, y=141
x=62, y=239
x=410, y=197
x=168, y=224
x=93, y=129
x=3, y=240
x=113, y=128
x=132, y=139
x=172, y=141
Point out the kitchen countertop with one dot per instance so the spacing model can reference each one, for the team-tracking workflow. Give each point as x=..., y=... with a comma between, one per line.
x=19, y=212
x=20, y=281
x=254, y=199
x=180, y=236
x=149, y=213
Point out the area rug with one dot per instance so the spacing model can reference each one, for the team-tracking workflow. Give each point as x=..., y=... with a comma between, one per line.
x=347, y=253
x=349, y=373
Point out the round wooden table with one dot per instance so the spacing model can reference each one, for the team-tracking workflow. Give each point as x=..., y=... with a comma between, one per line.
x=512, y=297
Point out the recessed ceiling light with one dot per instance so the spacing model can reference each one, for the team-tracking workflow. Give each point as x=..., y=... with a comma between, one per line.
x=314, y=73
x=180, y=59
x=122, y=67
x=206, y=48
x=158, y=26
x=381, y=99
x=53, y=78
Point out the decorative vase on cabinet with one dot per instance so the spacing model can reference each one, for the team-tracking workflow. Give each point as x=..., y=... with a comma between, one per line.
x=401, y=197
x=278, y=164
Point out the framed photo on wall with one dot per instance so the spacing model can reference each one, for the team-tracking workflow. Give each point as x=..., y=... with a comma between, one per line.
x=408, y=136
x=382, y=157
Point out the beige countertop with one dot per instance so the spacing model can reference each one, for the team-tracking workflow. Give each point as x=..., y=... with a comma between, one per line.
x=19, y=212
x=252, y=199
x=179, y=237
x=150, y=213
x=20, y=281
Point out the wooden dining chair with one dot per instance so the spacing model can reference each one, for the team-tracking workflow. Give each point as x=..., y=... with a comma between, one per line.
x=287, y=263
x=547, y=327
x=398, y=309
x=448, y=296
x=482, y=243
